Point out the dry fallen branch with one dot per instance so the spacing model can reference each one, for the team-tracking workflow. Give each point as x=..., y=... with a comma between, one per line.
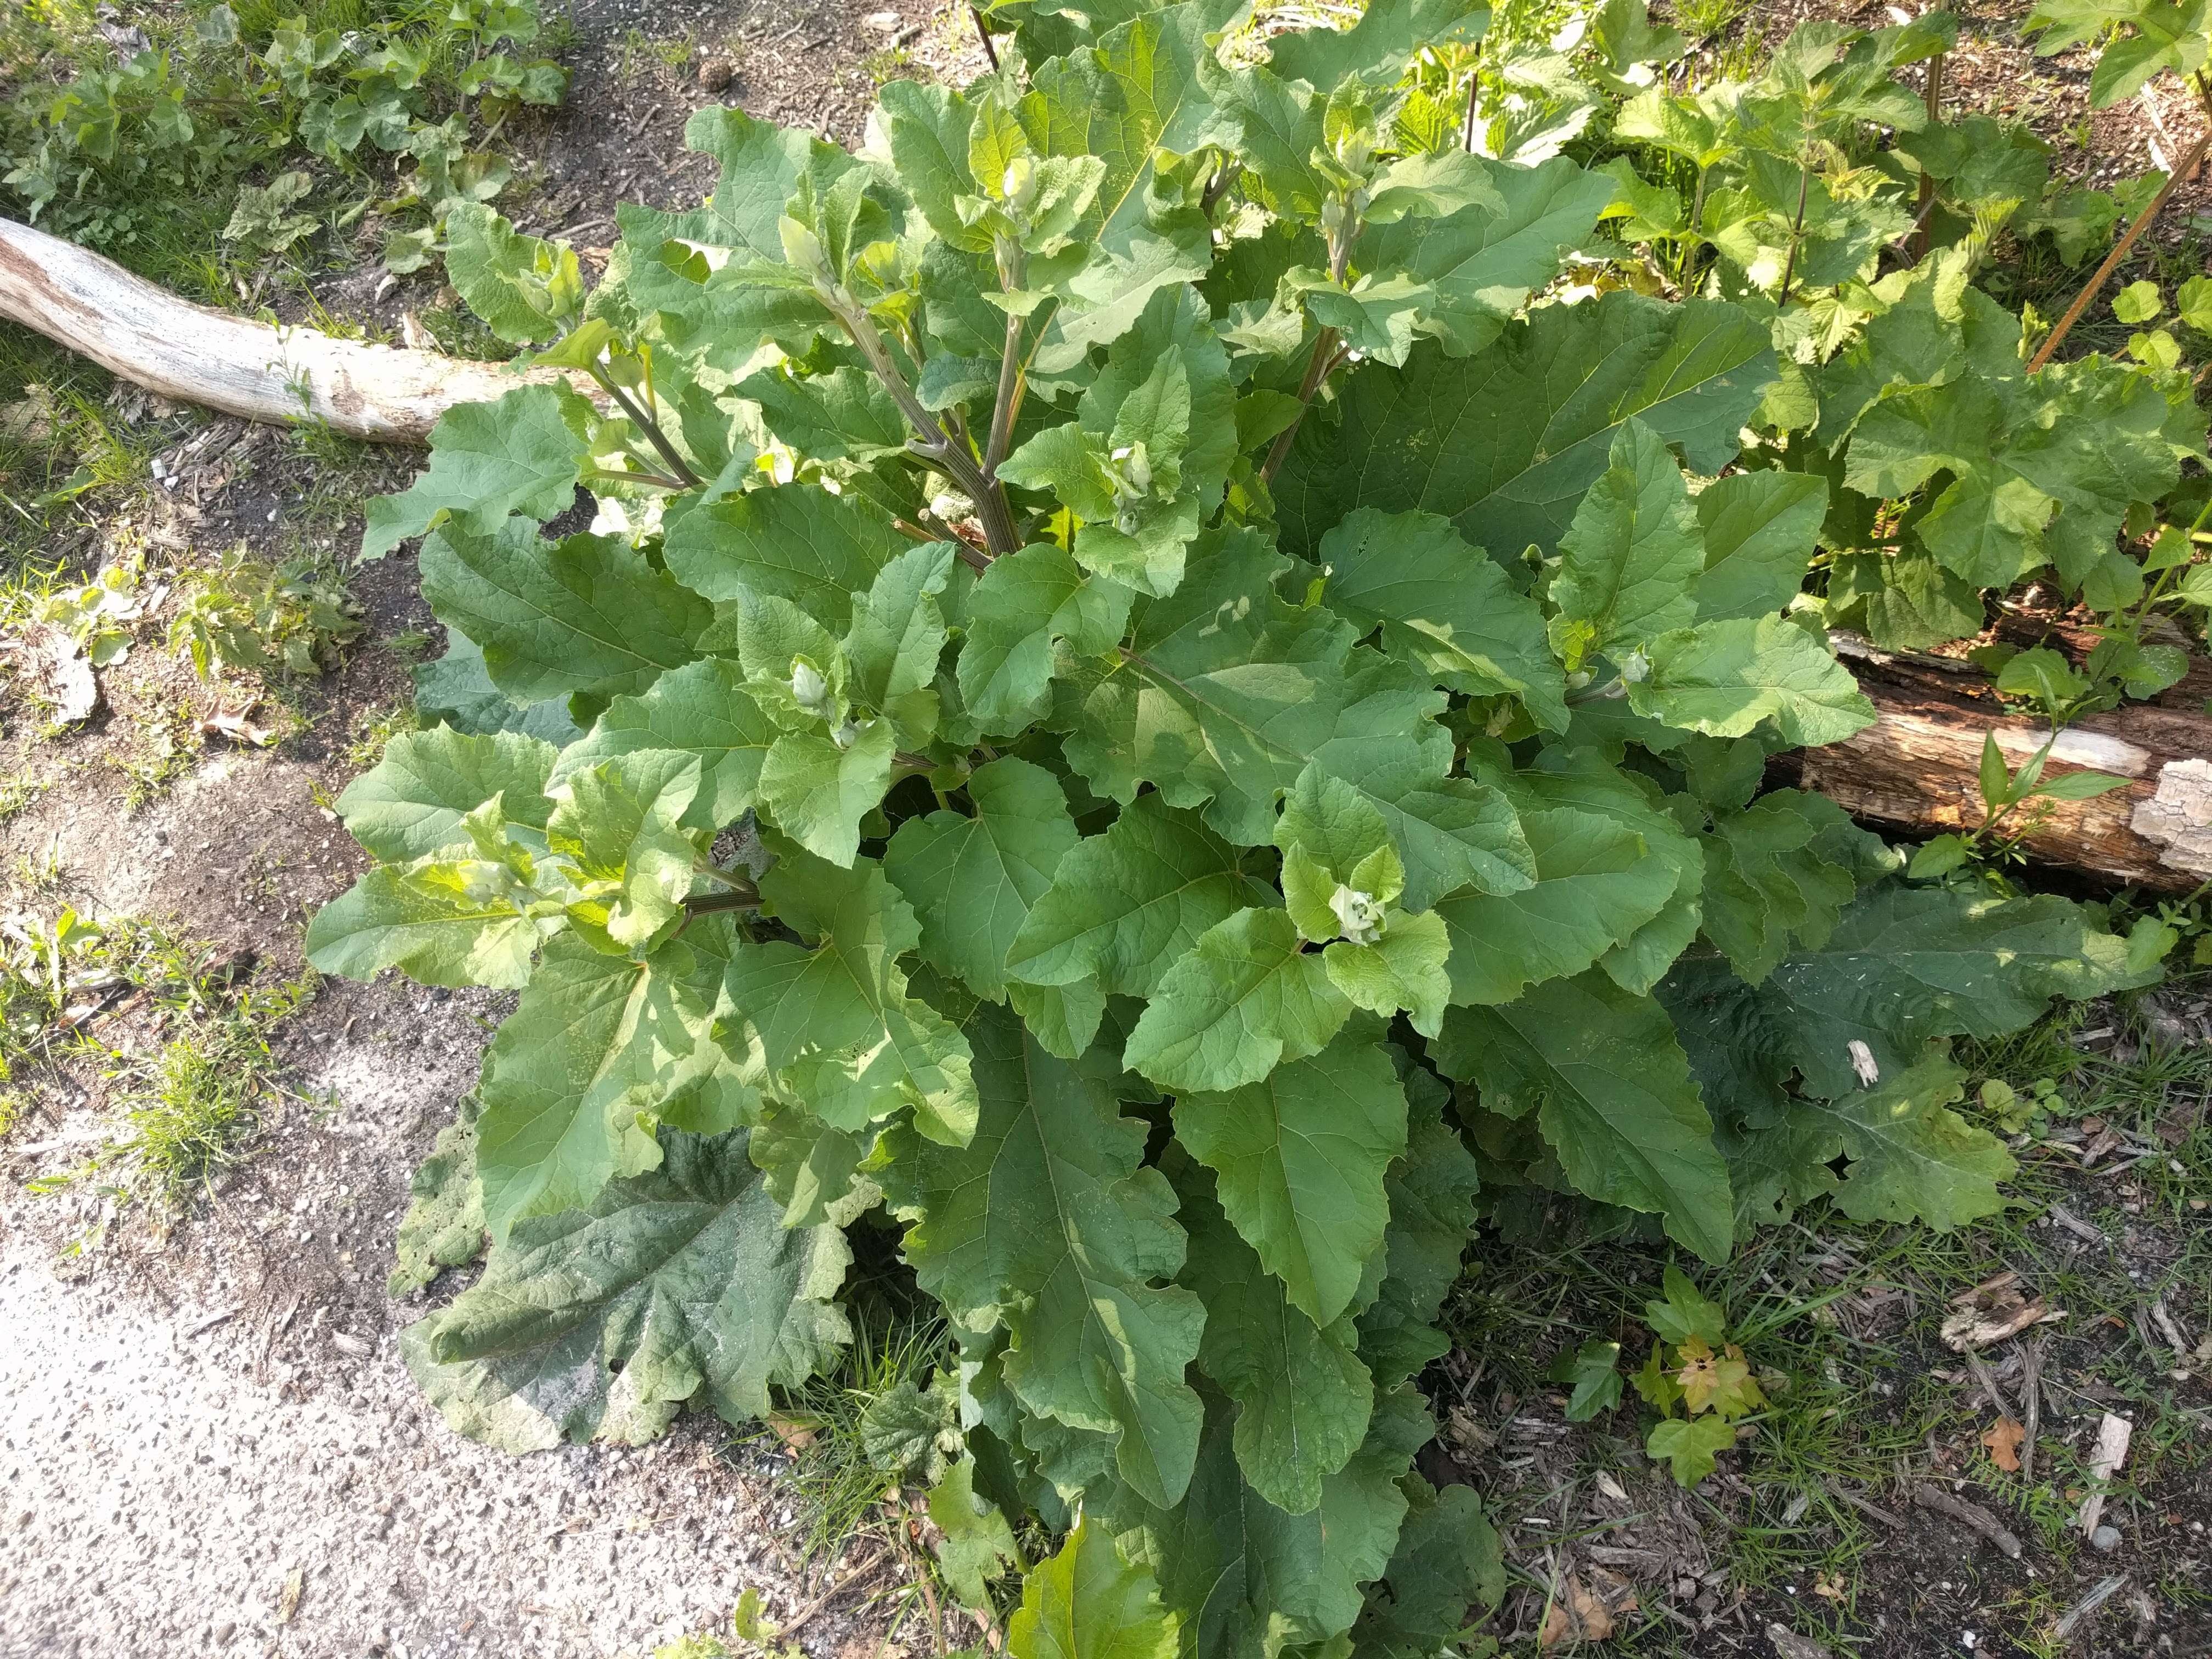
x=1930, y=1495
x=2105, y=1460
x=287, y=376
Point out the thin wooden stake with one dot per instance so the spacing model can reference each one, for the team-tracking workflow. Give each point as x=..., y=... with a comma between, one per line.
x=2112, y=260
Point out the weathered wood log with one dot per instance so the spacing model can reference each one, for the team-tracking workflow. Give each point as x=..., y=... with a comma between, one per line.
x=288, y=376
x=1918, y=767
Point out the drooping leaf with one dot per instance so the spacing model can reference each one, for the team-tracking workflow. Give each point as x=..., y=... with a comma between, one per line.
x=1612, y=1094
x=1299, y=1158
x=1047, y=1222
x=444, y=1226
x=598, y=1323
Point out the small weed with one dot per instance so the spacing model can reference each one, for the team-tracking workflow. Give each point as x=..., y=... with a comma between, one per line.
x=286, y=619
x=375, y=730
x=408, y=645
x=17, y=795
x=886, y=65
x=184, y=1106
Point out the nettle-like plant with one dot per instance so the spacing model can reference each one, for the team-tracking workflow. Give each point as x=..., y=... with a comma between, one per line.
x=1139, y=724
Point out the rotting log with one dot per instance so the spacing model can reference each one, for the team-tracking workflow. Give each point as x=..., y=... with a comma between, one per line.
x=1918, y=767
x=286, y=376
x=1916, y=770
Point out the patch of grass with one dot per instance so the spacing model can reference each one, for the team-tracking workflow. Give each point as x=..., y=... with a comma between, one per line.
x=375, y=730
x=840, y=1491
x=177, y=1031
x=161, y=756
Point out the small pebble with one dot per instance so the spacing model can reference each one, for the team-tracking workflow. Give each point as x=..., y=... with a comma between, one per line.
x=2105, y=1540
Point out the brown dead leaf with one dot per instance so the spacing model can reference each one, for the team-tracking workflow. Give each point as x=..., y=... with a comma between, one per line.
x=797, y=1433
x=2003, y=1439
x=238, y=728
x=1578, y=1614
x=287, y=1602
x=52, y=658
x=1830, y=1586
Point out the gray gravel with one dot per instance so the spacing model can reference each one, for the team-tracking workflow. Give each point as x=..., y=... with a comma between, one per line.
x=208, y=1443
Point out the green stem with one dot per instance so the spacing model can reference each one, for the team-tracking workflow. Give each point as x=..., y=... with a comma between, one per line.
x=651, y=427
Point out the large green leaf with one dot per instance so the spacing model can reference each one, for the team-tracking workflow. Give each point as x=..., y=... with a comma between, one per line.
x=1724, y=677
x=1912, y=1158
x=1299, y=1158
x=599, y=1323
x=973, y=880
x=838, y=1025
x=1905, y=965
x=1445, y=604
x=1245, y=1575
x=1024, y=603
x=411, y=803
x=1479, y=264
x=522, y=454
x=1302, y=1398
x=1505, y=444
x=1088, y=1602
x=1047, y=1222
x=1631, y=557
x=1612, y=1092
x=795, y=541
x=597, y=1046
x=1245, y=997
x=704, y=709
x=1432, y=1192
x=1758, y=531
x=1597, y=882
x=441, y=921
x=582, y=614
x=1227, y=692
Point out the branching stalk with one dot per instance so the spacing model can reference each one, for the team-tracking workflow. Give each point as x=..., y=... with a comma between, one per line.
x=1325, y=358
x=1009, y=399
x=1927, y=178
x=931, y=441
x=2187, y=165
x=651, y=427
x=1796, y=233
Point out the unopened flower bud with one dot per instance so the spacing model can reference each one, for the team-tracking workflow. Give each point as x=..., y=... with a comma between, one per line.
x=1357, y=914
x=1636, y=667
x=803, y=248
x=1019, y=186
x=810, y=690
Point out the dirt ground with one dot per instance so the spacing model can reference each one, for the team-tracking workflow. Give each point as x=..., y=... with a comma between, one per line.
x=208, y=1442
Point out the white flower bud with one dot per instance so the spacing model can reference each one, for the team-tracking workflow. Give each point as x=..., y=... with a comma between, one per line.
x=1636, y=667
x=1019, y=186
x=802, y=247
x=1357, y=914
x=811, y=690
